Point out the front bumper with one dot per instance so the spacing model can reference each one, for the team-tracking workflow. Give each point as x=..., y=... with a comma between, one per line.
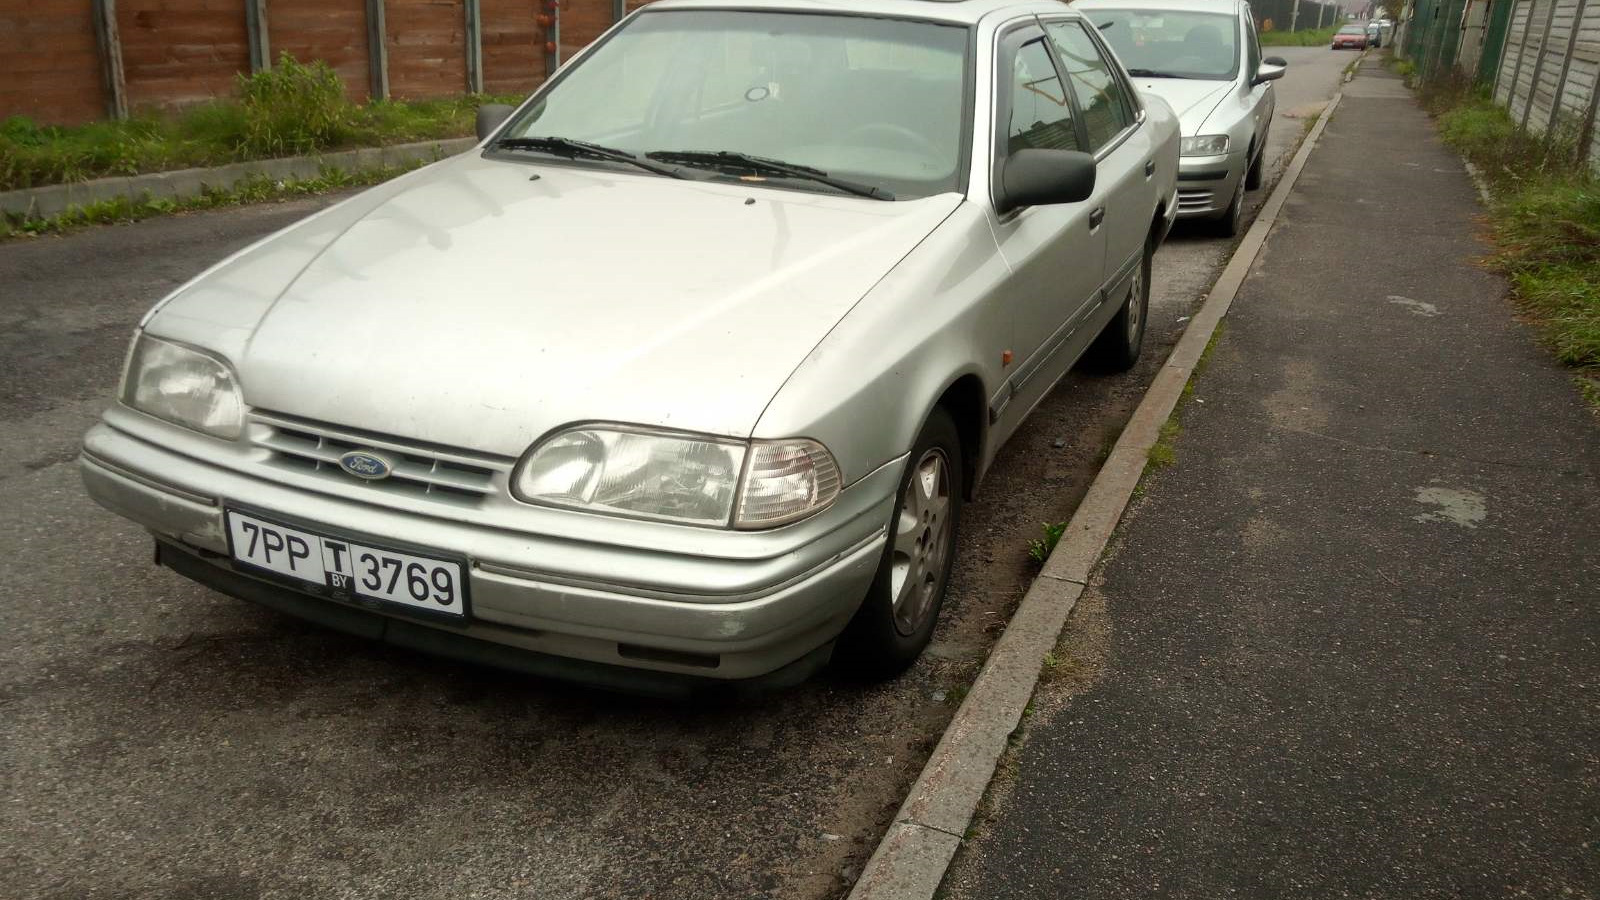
x=766, y=612
x=1206, y=183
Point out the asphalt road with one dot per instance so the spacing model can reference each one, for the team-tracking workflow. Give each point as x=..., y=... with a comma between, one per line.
x=161, y=741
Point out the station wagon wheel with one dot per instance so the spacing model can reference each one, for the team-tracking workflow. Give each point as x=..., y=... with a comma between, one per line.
x=896, y=619
x=919, y=544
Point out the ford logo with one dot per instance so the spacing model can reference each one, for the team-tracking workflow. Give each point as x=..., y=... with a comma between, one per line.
x=366, y=464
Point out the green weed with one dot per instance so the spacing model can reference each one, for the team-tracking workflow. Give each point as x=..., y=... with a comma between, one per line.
x=1039, y=550
x=1164, y=451
x=293, y=108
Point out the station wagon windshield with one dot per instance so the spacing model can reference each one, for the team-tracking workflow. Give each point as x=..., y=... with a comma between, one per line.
x=1172, y=44
x=874, y=104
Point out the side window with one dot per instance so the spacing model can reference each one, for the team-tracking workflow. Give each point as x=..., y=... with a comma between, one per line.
x=1040, y=116
x=1105, y=103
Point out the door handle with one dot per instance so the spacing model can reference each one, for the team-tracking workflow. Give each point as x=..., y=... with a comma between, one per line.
x=1149, y=167
x=1097, y=216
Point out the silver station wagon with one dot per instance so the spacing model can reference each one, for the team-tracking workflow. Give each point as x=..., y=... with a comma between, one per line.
x=684, y=374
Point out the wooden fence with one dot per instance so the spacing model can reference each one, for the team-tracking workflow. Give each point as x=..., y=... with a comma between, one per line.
x=71, y=61
x=1549, y=74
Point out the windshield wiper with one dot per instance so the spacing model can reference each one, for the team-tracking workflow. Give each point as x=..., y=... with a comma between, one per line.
x=1154, y=73
x=572, y=148
x=728, y=159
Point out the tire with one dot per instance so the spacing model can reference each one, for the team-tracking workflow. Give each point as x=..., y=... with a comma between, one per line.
x=895, y=622
x=1252, y=176
x=1232, y=218
x=1118, y=345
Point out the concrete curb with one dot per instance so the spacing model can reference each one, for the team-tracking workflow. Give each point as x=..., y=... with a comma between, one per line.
x=910, y=862
x=52, y=200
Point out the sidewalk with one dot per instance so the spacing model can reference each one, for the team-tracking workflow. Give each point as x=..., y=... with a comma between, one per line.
x=1352, y=637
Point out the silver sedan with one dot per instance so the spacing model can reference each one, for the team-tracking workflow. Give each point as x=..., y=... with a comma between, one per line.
x=685, y=372
x=1204, y=58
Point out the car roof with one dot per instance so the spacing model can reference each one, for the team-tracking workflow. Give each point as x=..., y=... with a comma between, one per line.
x=965, y=12
x=1232, y=7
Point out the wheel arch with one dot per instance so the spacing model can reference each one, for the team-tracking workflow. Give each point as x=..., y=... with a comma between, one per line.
x=968, y=405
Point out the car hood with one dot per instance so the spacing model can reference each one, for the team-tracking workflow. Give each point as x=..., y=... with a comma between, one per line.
x=481, y=303
x=1191, y=99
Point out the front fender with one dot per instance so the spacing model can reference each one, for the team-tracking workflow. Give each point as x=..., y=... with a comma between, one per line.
x=938, y=316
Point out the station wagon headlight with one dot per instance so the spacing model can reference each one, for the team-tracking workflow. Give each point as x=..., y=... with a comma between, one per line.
x=1204, y=145
x=184, y=386
x=679, y=478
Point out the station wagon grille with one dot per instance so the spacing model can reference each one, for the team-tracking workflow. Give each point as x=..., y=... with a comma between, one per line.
x=1193, y=201
x=314, y=448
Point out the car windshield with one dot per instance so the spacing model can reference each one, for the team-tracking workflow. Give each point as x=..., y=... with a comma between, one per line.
x=1159, y=43
x=1352, y=29
x=875, y=102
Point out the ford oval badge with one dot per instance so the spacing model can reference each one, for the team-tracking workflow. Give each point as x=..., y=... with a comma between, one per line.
x=366, y=464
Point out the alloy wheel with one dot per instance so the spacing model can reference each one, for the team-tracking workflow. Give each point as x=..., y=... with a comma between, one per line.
x=1136, y=307
x=922, y=537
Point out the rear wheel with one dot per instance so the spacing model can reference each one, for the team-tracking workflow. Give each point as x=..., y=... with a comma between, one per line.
x=896, y=620
x=1117, y=348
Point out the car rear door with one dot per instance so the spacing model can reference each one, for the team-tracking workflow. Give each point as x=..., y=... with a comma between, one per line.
x=1123, y=148
x=1056, y=252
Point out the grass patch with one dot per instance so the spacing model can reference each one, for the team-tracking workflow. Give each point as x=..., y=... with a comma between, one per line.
x=259, y=189
x=293, y=108
x=1309, y=37
x=1544, y=215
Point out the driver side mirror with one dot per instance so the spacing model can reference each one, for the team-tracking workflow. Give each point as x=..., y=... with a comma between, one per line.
x=1271, y=69
x=1044, y=177
x=490, y=116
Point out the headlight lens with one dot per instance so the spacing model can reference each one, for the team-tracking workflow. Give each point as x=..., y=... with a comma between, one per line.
x=184, y=386
x=679, y=478
x=1204, y=145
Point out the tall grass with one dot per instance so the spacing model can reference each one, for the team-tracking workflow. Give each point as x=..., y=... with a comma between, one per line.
x=293, y=108
x=1545, y=215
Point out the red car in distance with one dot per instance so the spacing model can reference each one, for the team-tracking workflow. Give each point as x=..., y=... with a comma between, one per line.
x=1351, y=36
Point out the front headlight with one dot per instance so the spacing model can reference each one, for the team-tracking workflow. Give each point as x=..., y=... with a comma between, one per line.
x=1204, y=145
x=184, y=386
x=679, y=478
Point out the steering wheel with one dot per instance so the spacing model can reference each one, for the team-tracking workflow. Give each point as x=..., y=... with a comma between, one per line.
x=899, y=134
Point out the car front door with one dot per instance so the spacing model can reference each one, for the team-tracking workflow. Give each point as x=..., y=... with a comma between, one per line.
x=1263, y=99
x=1123, y=149
x=1056, y=253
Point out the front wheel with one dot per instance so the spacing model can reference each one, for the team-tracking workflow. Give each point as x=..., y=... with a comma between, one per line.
x=1117, y=348
x=895, y=621
x=1227, y=224
x=1252, y=176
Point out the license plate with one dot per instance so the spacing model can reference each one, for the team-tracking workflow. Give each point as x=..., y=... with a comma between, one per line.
x=347, y=568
